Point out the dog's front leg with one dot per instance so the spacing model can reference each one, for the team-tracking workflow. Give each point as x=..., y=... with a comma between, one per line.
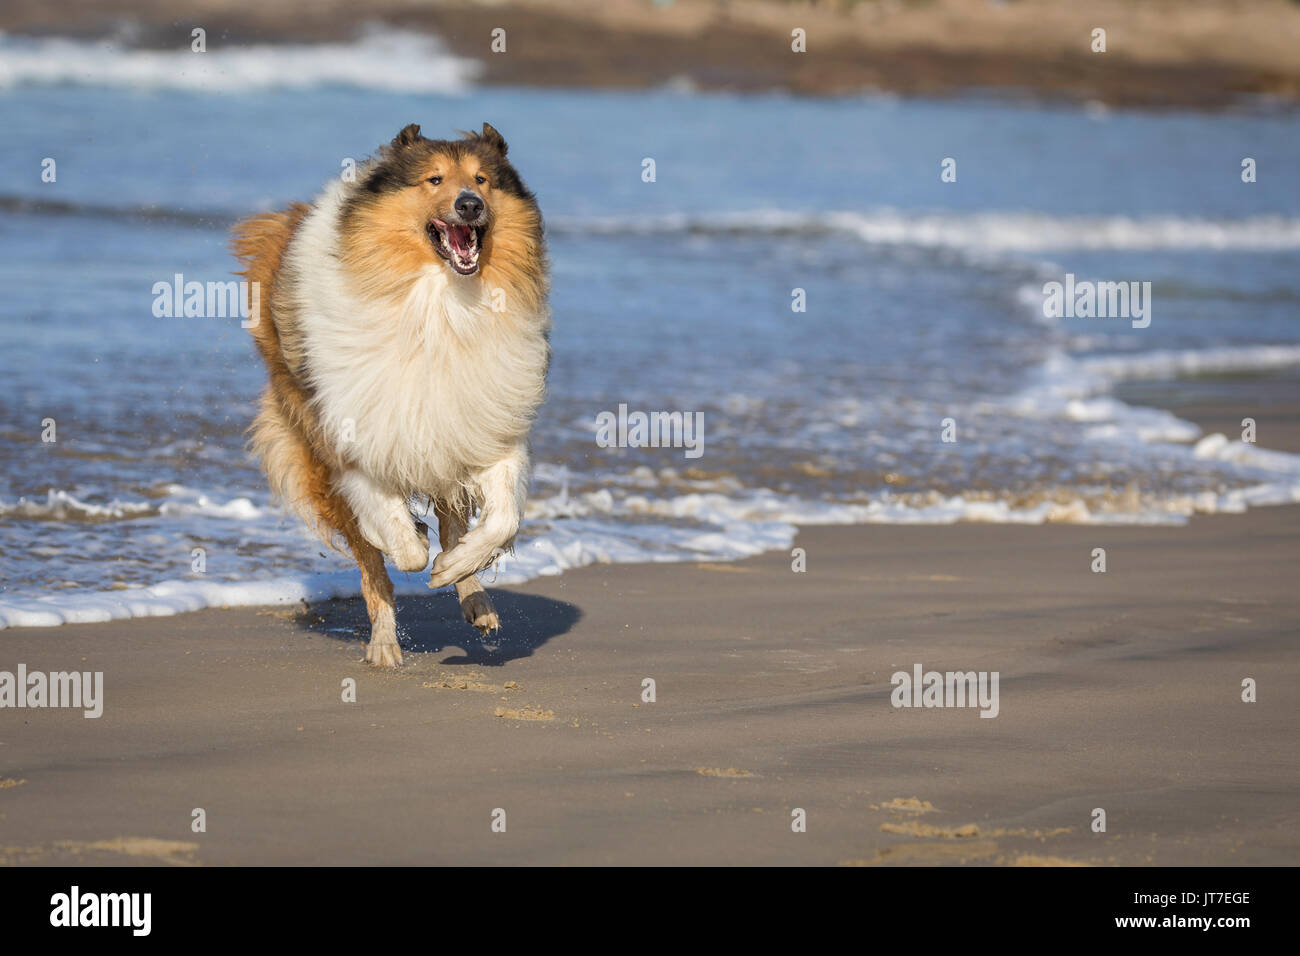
x=385, y=521
x=502, y=489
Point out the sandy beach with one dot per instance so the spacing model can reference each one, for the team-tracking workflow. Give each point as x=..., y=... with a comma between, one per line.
x=1119, y=691
x=1160, y=53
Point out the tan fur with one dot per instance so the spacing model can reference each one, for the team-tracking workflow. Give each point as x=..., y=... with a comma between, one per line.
x=298, y=471
x=281, y=432
x=385, y=245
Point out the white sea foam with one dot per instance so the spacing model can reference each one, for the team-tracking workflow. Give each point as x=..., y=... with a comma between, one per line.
x=980, y=236
x=59, y=505
x=1065, y=381
x=645, y=516
x=381, y=59
x=1078, y=390
x=1029, y=232
x=998, y=232
x=563, y=545
x=1174, y=364
x=598, y=528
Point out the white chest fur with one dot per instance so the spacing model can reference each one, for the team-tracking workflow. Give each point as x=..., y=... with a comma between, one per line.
x=419, y=395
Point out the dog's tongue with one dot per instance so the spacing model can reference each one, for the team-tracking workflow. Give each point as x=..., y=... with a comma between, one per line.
x=460, y=238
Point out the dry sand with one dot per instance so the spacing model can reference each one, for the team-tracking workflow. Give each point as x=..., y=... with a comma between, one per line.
x=1118, y=690
x=1159, y=52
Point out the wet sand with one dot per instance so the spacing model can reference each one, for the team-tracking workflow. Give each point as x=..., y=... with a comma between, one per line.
x=1160, y=53
x=1119, y=691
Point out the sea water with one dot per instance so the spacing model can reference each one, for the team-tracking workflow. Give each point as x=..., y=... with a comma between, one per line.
x=860, y=340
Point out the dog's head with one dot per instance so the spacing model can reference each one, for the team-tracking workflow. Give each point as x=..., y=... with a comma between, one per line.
x=454, y=203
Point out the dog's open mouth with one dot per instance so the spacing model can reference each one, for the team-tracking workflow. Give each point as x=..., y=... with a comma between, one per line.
x=459, y=245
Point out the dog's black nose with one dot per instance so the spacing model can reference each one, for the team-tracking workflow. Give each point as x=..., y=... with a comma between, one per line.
x=469, y=206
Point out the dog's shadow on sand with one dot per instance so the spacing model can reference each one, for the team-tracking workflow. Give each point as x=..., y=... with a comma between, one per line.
x=430, y=624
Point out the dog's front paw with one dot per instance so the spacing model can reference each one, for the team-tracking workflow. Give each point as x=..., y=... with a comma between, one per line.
x=445, y=570
x=452, y=566
x=458, y=564
x=411, y=551
x=383, y=654
x=412, y=556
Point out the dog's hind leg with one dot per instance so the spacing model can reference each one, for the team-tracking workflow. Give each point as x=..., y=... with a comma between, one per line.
x=308, y=484
x=474, y=601
x=377, y=589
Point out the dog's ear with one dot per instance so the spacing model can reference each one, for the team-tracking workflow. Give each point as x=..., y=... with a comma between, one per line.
x=408, y=135
x=493, y=138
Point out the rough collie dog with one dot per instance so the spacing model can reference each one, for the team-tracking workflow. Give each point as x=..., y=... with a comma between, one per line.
x=403, y=321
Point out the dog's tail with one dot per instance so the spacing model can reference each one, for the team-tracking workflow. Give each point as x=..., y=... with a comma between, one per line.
x=281, y=434
x=259, y=242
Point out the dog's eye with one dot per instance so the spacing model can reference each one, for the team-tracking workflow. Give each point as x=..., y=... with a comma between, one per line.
x=480, y=180
x=436, y=180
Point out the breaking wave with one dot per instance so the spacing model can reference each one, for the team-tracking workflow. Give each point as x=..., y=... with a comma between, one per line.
x=1002, y=232
x=989, y=231
x=380, y=59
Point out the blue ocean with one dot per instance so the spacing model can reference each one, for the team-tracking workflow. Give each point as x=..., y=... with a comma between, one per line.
x=864, y=337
